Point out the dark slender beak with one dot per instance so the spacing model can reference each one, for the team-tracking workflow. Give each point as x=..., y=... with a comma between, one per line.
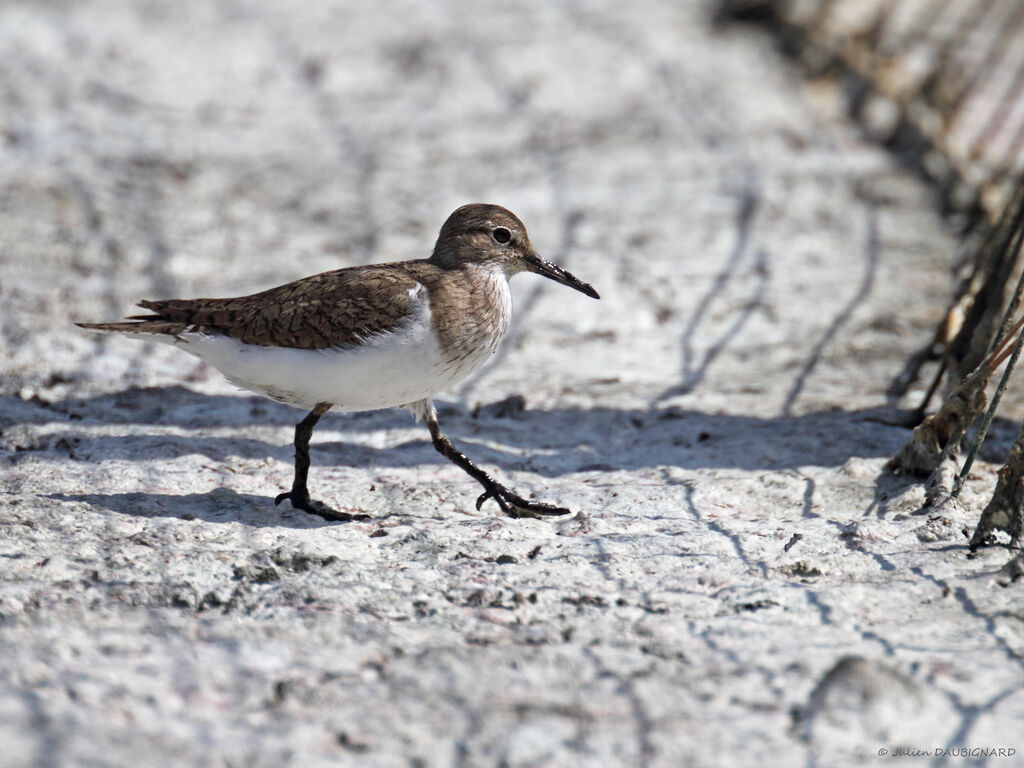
x=535, y=263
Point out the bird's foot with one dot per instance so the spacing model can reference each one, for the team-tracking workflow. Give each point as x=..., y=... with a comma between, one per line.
x=300, y=500
x=514, y=505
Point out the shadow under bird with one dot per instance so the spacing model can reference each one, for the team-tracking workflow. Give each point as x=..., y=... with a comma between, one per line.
x=369, y=337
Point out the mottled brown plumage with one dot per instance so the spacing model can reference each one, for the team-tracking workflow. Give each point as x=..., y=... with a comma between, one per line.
x=333, y=309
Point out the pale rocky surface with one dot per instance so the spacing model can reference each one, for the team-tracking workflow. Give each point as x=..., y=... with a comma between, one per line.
x=742, y=582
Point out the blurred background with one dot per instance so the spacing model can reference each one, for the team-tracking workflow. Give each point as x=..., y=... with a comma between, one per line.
x=778, y=202
x=940, y=82
x=165, y=150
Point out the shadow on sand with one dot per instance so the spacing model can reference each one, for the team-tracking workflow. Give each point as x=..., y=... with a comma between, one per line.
x=220, y=505
x=550, y=442
x=546, y=443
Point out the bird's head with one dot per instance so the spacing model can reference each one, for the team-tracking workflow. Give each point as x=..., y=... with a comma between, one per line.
x=491, y=235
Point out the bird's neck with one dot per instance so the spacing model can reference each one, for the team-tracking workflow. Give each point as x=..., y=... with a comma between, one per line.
x=471, y=309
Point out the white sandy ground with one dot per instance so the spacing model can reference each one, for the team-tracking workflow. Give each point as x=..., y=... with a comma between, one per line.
x=717, y=421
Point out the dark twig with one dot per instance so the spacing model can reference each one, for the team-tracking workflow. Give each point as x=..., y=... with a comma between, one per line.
x=990, y=414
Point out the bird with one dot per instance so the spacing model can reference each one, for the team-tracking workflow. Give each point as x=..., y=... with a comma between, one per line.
x=368, y=337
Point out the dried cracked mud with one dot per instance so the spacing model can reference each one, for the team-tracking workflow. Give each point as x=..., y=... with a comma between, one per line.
x=742, y=582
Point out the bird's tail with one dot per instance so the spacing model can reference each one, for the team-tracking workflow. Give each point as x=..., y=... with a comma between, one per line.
x=136, y=327
x=142, y=325
x=169, y=318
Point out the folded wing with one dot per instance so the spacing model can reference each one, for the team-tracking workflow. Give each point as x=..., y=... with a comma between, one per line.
x=329, y=310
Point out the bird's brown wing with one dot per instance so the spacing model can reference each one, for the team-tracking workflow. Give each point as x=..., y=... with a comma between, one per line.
x=332, y=309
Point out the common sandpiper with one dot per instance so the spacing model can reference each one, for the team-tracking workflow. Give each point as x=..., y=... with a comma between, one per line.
x=368, y=337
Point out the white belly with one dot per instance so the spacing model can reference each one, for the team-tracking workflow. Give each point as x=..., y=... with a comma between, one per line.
x=387, y=371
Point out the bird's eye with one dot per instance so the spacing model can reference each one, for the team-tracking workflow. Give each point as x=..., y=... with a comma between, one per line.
x=501, y=235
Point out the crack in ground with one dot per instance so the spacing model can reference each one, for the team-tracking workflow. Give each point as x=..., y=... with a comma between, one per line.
x=843, y=316
x=732, y=538
x=643, y=723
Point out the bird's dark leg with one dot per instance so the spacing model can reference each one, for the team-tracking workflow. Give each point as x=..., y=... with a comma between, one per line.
x=511, y=504
x=299, y=494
